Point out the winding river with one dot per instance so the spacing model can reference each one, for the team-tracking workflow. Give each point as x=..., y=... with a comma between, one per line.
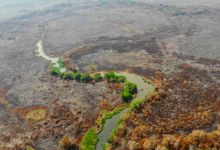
x=143, y=90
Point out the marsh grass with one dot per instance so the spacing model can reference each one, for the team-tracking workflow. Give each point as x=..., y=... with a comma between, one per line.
x=61, y=64
x=89, y=141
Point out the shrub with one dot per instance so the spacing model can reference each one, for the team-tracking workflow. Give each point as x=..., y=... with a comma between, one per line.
x=67, y=75
x=113, y=80
x=61, y=75
x=85, y=78
x=54, y=71
x=131, y=87
x=77, y=75
x=121, y=78
x=110, y=76
x=126, y=95
x=61, y=64
x=107, y=76
x=92, y=68
x=97, y=77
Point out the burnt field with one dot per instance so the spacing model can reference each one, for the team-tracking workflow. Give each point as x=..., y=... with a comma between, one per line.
x=176, y=47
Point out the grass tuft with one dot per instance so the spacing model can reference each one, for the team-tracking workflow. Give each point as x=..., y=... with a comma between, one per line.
x=89, y=141
x=29, y=148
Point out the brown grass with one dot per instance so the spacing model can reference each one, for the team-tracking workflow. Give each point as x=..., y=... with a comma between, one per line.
x=3, y=92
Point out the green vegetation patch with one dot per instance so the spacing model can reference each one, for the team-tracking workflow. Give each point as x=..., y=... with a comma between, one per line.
x=29, y=148
x=92, y=68
x=126, y=95
x=55, y=71
x=131, y=87
x=77, y=75
x=110, y=76
x=89, y=141
x=147, y=81
x=61, y=64
x=126, y=29
x=121, y=79
x=36, y=115
x=67, y=75
x=109, y=116
x=112, y=135
x=85, y=78
x=97, y=77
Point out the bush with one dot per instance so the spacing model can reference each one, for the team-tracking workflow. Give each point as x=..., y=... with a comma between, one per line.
x=110, y=76
x=126, y=95
x=67, y=75
x=121, y=78
x=92, y=68
x=61, y=75
x=61, y=64
x=77, y=75
x=97, y=77
x=131, y=87
x=54, y=71
x=85, y=78
x=107, y=76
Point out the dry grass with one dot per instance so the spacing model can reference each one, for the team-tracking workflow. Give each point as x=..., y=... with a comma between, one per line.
x=3, y=98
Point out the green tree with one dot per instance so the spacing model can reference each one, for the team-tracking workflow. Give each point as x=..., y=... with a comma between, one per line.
x=107, y=76
x=85, y=78
x=126, y=95
x=77, y=75
x=121, y=78
x=61, y=75
x=97, y=77
x=131, y=87
x=110, y=76
x=54, y=71
x=67, y=75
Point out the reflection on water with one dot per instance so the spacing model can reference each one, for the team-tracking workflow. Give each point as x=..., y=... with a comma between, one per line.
x=143, y=89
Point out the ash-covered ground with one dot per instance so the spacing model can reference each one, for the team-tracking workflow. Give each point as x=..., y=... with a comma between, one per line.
x=144, y=38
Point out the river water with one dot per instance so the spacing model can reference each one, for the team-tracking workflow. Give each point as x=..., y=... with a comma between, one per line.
x=53, y=60
x=143, y=89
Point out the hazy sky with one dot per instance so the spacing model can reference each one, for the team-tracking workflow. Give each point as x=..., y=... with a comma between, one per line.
x=12, y=8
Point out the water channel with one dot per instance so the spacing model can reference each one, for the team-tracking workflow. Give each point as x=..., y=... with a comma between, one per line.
x=143, y=89
x=53, y=60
